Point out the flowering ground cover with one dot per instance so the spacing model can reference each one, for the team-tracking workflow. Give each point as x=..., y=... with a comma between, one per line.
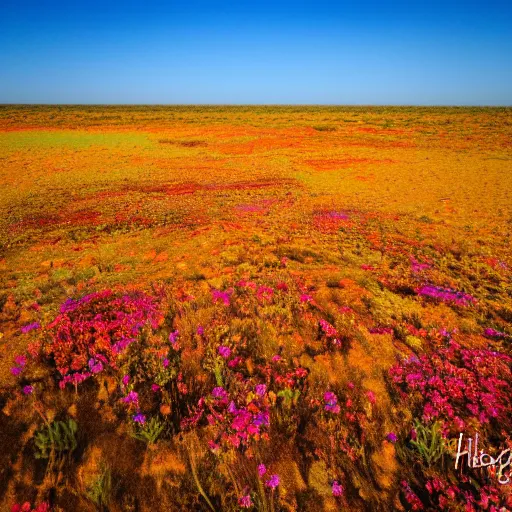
x=254, y=308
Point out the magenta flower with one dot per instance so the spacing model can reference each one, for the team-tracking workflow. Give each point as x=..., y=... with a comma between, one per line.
x=331, y=402
x=16, y=370
x=261, y=389
x=234, y=362
x=493, y=333
x=371, y=397
x=139, y=418
x=125, y=380
x=30, y=327
x=262, y=469
x=272, y=482
x=261, y=419
x=200, y=330
x=306, y=298
x=173, y=337
x=446, y=295
x=95, y=366
x=224, y=297
x=245, y=501
x=337, y=489
x=20, y=360
x=27, y=390
x=224, y=352
x=155, y=388
x=391, y=437
x=165, y=362
x=220, y=393
x=131, y=398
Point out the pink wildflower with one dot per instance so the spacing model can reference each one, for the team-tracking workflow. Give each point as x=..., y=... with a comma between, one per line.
x=30, y=327
x=245, y=501
x=224, y=351
x=273, y=482
x=337, y=489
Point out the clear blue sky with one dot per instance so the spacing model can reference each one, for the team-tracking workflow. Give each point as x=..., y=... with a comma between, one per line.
x=293, y=52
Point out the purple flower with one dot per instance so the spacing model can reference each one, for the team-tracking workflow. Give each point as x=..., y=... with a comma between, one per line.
x=28, y=389
x=446, y=295
x=219, y=393
x=263, y=418
x=95, y=366
x=165, y=362
x=125, y=380
x=121, y=345
x=493, y=333
x=261, y=389
x=173, y=337
x=200, y=330
x=337, y=489
x=68, y=306
x=30, y=327
x=273, y=481
x=391, y=437
x=245, y=501
x=262, y=469
x=224, y=352
x=224, y=297
x=131, y=398
x=331, y=402
x=139, y=418
x=16, y=370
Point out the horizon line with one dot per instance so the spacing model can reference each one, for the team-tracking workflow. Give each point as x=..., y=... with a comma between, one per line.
x=365, y=105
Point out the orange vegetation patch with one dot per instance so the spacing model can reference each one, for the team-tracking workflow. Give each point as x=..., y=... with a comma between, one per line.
x=369, y=177
x=332, y=164
x=327, y=221
x=260, y=145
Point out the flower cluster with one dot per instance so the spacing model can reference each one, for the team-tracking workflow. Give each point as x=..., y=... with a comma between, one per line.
x=446, y=295
x=27, y=507
x=237, y=418
x=224, y=297
x=456, y=383
x=30, y=327
x=91, y=333
x=331, y=402
x=330, y=333
x=494, y=334
x=411, y=498
x=20, y=361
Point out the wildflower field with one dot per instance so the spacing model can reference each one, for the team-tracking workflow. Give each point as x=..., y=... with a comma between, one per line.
x=254, y=308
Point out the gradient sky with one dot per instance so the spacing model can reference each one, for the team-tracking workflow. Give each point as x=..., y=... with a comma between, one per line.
x=293, y=52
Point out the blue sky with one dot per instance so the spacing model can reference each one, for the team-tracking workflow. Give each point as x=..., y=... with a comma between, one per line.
x=291, y=52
